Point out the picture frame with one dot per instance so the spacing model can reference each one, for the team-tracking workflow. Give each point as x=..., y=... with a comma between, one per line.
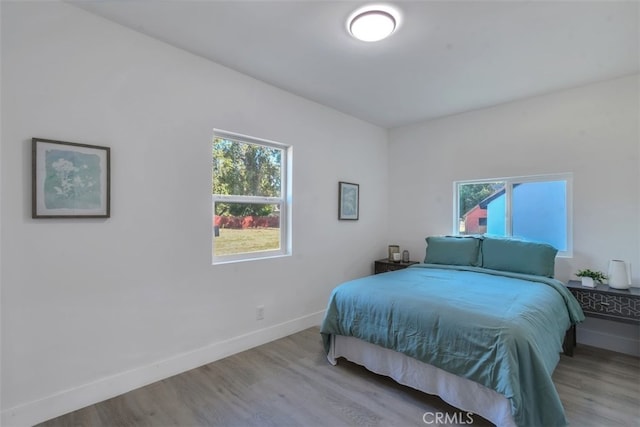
x=393, y=249
x=70, y=180
x=348, y=201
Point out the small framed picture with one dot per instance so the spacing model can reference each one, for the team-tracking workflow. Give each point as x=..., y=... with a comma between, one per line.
x=348, y=201
x=70, y=180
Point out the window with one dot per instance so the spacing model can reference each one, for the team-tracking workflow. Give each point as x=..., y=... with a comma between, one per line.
x=250, y=197
x=535, y=208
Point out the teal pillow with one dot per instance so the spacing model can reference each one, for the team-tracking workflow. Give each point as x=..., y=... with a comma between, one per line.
x=453, y=250
x=518, y=256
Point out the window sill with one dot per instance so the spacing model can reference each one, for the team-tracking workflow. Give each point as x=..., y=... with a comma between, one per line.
x=246, y=258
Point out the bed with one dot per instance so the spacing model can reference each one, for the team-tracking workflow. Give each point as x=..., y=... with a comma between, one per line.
x=481, y=324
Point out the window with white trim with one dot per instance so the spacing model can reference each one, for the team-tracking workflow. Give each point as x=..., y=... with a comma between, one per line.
x=535, y=208
x=251, y=198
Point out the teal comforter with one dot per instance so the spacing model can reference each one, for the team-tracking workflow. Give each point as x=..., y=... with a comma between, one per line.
x=503, y=330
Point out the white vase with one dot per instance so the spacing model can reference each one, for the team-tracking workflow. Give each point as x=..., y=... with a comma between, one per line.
x=588, y=282
x=619, y=274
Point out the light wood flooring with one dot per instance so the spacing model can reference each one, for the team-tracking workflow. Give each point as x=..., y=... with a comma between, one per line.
x=290, y=383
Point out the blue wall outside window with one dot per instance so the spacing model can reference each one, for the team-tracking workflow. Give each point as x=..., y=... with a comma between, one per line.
x=539, y=213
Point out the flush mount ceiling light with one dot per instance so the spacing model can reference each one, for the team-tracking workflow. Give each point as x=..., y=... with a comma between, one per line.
x=373, y=23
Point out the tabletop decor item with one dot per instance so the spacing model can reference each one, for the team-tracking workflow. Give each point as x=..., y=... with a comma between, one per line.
x=393, y=250
x=70, y=180
x=348, y=201
x=590, y=277
x=619, y=274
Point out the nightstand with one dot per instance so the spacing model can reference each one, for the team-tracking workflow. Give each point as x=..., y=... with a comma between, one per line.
x=619, y=305
x=603, y=302
x=384, y=265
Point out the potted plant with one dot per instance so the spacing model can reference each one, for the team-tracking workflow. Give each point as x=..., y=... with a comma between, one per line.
x=589, y=277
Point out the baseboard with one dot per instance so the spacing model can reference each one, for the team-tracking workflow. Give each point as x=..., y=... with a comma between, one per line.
x=76, y=398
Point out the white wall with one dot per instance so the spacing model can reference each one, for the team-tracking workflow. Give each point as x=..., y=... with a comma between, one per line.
x=591, y=131
x=92, y=308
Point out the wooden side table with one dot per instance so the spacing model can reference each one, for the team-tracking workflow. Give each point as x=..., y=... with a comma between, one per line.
x=384, y=265
x=603, y=302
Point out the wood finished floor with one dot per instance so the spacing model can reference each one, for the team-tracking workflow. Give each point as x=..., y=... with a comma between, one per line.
x=290, y=383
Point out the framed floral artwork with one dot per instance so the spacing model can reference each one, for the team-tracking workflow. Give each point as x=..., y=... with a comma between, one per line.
x=70, y=180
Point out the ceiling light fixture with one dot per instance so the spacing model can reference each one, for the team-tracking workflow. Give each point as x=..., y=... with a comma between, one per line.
x=373, y=23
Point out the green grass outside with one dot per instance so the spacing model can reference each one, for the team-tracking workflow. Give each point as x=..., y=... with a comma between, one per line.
x=233, y=241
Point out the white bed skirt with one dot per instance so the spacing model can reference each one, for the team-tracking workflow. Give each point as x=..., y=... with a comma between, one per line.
x=464, y=394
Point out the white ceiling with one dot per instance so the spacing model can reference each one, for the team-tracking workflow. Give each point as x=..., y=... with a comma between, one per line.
x=447, y=56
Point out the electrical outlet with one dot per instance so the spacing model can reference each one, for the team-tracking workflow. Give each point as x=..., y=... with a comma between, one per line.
x=260, y=312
